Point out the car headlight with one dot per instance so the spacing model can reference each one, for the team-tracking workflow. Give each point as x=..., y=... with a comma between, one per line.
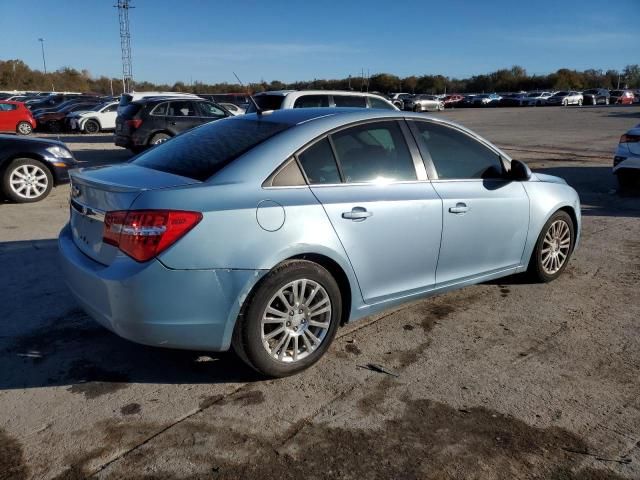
x=59, y=152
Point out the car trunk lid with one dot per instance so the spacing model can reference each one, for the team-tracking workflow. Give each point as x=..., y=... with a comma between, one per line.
x=96, y=191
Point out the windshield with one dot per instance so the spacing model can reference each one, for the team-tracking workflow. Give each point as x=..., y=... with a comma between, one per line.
x=617, y=93
x=266, y=102
x=561, y=94
x=201, y=152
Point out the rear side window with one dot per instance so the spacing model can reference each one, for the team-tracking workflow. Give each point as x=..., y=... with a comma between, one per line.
x=266, y=102
x=350, y=101
x=201, y=152
x=456, y=155
x=312, y=101
x=374, y=152
x=319, y=163
x=7, y=107
x=206, y=109
x=182, y=109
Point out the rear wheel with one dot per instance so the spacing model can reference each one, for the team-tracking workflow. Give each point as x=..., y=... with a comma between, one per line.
x=24, y=128
x=553, y=248
x=91, y=126
x=290, y=320
x=159, y=138
x=26, y=180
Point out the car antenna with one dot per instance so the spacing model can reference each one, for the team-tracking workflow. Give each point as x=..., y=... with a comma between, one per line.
x=253, y=100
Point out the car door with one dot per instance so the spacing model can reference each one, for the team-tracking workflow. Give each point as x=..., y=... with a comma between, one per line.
x=485, y=215
x=373, y=187
x=108, y=116
x=182, y=116
x=6, y=116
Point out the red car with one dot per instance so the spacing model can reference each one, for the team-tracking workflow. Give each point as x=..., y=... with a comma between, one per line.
x=454, y=100
x=15, y=117
x=624, y=97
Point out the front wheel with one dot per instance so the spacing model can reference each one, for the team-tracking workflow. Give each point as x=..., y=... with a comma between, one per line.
x=290, y=320
x=24, y=128
x=91, y=126
x=553, y=248
x=26, y=180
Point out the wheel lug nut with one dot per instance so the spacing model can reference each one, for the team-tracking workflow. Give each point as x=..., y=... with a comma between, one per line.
x=299, y=311
x=288, y=324
x=291, y=312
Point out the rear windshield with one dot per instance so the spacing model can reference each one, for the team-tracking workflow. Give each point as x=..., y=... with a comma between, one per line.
x=203, y=151
x=266, y=102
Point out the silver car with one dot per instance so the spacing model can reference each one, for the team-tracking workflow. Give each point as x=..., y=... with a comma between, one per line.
x=270, y=231
x=423, y=103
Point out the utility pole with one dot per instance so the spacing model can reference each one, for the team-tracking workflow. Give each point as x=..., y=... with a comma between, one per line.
x=44, y=62
x=123, y=7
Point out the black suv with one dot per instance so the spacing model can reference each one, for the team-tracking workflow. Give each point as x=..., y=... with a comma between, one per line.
x=154, y=120
x=595, y=96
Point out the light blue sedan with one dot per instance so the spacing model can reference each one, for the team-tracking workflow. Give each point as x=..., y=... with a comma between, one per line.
x=266, y=232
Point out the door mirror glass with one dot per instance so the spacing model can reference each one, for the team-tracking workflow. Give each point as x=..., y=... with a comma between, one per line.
x=519, y=171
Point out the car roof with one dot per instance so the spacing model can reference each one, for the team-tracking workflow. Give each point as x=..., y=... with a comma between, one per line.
x=284, y=93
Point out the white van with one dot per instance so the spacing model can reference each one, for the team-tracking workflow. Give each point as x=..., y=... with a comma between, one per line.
x=127, y=98
x=283, y=99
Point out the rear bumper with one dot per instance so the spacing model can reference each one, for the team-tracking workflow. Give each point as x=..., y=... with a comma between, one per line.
x=151, y=304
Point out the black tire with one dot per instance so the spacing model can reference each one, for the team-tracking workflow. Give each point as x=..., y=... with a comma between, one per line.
x=247, y=337
x=19, y=197
x=159, y=138
x=92, y=126
x=24, y=128
x=536, y=270
x=627, y=179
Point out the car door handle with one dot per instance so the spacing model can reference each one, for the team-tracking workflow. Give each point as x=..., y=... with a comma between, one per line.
x=459, y=208
x=357, y=214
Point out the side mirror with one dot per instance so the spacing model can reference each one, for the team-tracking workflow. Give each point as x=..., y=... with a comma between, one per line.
x=519, y=171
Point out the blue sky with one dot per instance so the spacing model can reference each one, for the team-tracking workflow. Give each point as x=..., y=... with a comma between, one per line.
x=208, y=40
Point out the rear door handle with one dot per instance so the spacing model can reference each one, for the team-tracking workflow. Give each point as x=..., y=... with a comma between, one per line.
x=459, y=208
x=357, y=214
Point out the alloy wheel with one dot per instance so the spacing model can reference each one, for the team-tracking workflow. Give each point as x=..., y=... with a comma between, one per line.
x=28, y=181
x=555, y=247
x=296, y=320
x=24, y=128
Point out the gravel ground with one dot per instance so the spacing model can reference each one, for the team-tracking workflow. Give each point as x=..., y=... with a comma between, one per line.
x=505, y=380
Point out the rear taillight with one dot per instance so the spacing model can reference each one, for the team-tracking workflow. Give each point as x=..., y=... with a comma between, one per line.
x=135, y=123
x=144, y=234
x=626, y=138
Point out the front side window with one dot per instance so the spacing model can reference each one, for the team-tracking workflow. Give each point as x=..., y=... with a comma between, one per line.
x=350, y=101
x=374, y=152
x=456, y=155
x=311, y=101
x=210, y=110
x=319, y=164
x=181, y=109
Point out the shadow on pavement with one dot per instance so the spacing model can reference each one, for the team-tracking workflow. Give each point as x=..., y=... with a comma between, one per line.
x=47, y=340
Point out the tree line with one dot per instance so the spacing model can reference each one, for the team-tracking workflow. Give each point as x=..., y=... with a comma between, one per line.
x=16, y=75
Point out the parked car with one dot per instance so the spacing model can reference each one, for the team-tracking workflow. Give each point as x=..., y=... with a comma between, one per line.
x=636, y=96
x=423, y=103
x=233, y=108
x=49, y=101
x=486, y=100
x=265, y=232
x=596, y=96
x=55, y=121
x=154, y=120
x=286, y=99
x=513, y=100
x=99, y=118
x=622, y=97
x=31, y=167
x=565, y=98
x=536, y=99
x=79, y=99
x=15, y=117
x=626, y=160
x=451, y=101
x=398, y=99
x=127, y=98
